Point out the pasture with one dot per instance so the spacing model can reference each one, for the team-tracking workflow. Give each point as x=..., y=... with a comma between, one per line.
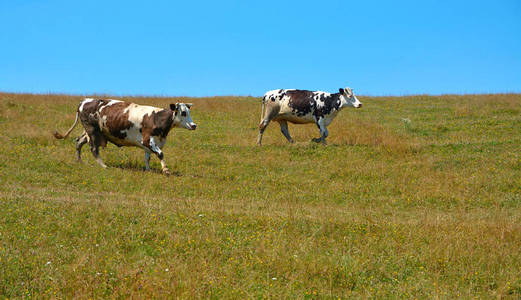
x=415, y=196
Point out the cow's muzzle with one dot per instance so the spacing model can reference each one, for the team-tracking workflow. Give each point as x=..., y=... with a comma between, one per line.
x=193, y=126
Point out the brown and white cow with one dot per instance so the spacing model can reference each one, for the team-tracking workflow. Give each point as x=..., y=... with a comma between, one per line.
x=128, y=124
x=301, y=106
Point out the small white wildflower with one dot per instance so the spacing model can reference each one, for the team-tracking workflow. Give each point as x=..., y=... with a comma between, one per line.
x=406, y=120
x=48, y=263
x=274, y=278
x=201, y=215
x=166, y=270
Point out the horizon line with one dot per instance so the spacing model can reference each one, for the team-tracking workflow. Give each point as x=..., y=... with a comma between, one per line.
x=238, y=95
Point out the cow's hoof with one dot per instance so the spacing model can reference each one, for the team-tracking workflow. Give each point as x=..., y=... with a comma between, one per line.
x=316, y=140
x=166, y=172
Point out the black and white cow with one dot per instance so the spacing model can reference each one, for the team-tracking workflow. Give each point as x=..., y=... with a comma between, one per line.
x=301, y=106
x=128, y=124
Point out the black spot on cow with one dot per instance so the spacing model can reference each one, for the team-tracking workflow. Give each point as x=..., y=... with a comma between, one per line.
x=300, y=101
x=331, y=103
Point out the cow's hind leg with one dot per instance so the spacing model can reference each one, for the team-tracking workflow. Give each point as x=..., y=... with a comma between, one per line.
x=95, y=141
x=80, y=141
x=262, y=126
x=284, y=130
x=271, y=112
x=323, y=132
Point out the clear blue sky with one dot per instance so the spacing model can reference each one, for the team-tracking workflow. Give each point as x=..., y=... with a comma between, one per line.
x=202, y=48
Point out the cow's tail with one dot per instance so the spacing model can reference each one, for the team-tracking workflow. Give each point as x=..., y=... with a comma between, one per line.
x=263, y=107
x=60, y=136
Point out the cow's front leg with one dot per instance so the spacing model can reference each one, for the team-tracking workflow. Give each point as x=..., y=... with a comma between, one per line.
x=323, y=131
x=152, y=145
x=147, y=160
x=285, y=131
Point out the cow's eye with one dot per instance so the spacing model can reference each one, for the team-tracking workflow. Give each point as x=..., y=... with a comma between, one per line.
x=183, y=114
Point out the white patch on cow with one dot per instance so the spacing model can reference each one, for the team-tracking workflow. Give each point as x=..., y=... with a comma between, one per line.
x=318, y=95
x=111, y=102
x=86, y=100
x=154, y=147
x=137, y=112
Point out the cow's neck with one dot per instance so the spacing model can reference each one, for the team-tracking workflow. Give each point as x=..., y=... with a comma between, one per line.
x=343, y=102
x=164, y=120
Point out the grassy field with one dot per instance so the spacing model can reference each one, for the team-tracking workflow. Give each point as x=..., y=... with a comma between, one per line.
x=413, y=197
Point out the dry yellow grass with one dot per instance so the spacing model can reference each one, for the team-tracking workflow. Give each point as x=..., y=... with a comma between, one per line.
x=414, y=197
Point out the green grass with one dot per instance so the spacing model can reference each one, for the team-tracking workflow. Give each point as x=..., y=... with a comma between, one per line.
x=414, y=197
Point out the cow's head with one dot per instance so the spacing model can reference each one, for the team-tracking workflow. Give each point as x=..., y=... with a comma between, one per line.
x=182, y=116
x=348, y=98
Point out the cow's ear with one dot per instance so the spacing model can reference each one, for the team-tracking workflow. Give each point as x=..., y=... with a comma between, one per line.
x=189, y=105
x=341, y=91
x=173, y=107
